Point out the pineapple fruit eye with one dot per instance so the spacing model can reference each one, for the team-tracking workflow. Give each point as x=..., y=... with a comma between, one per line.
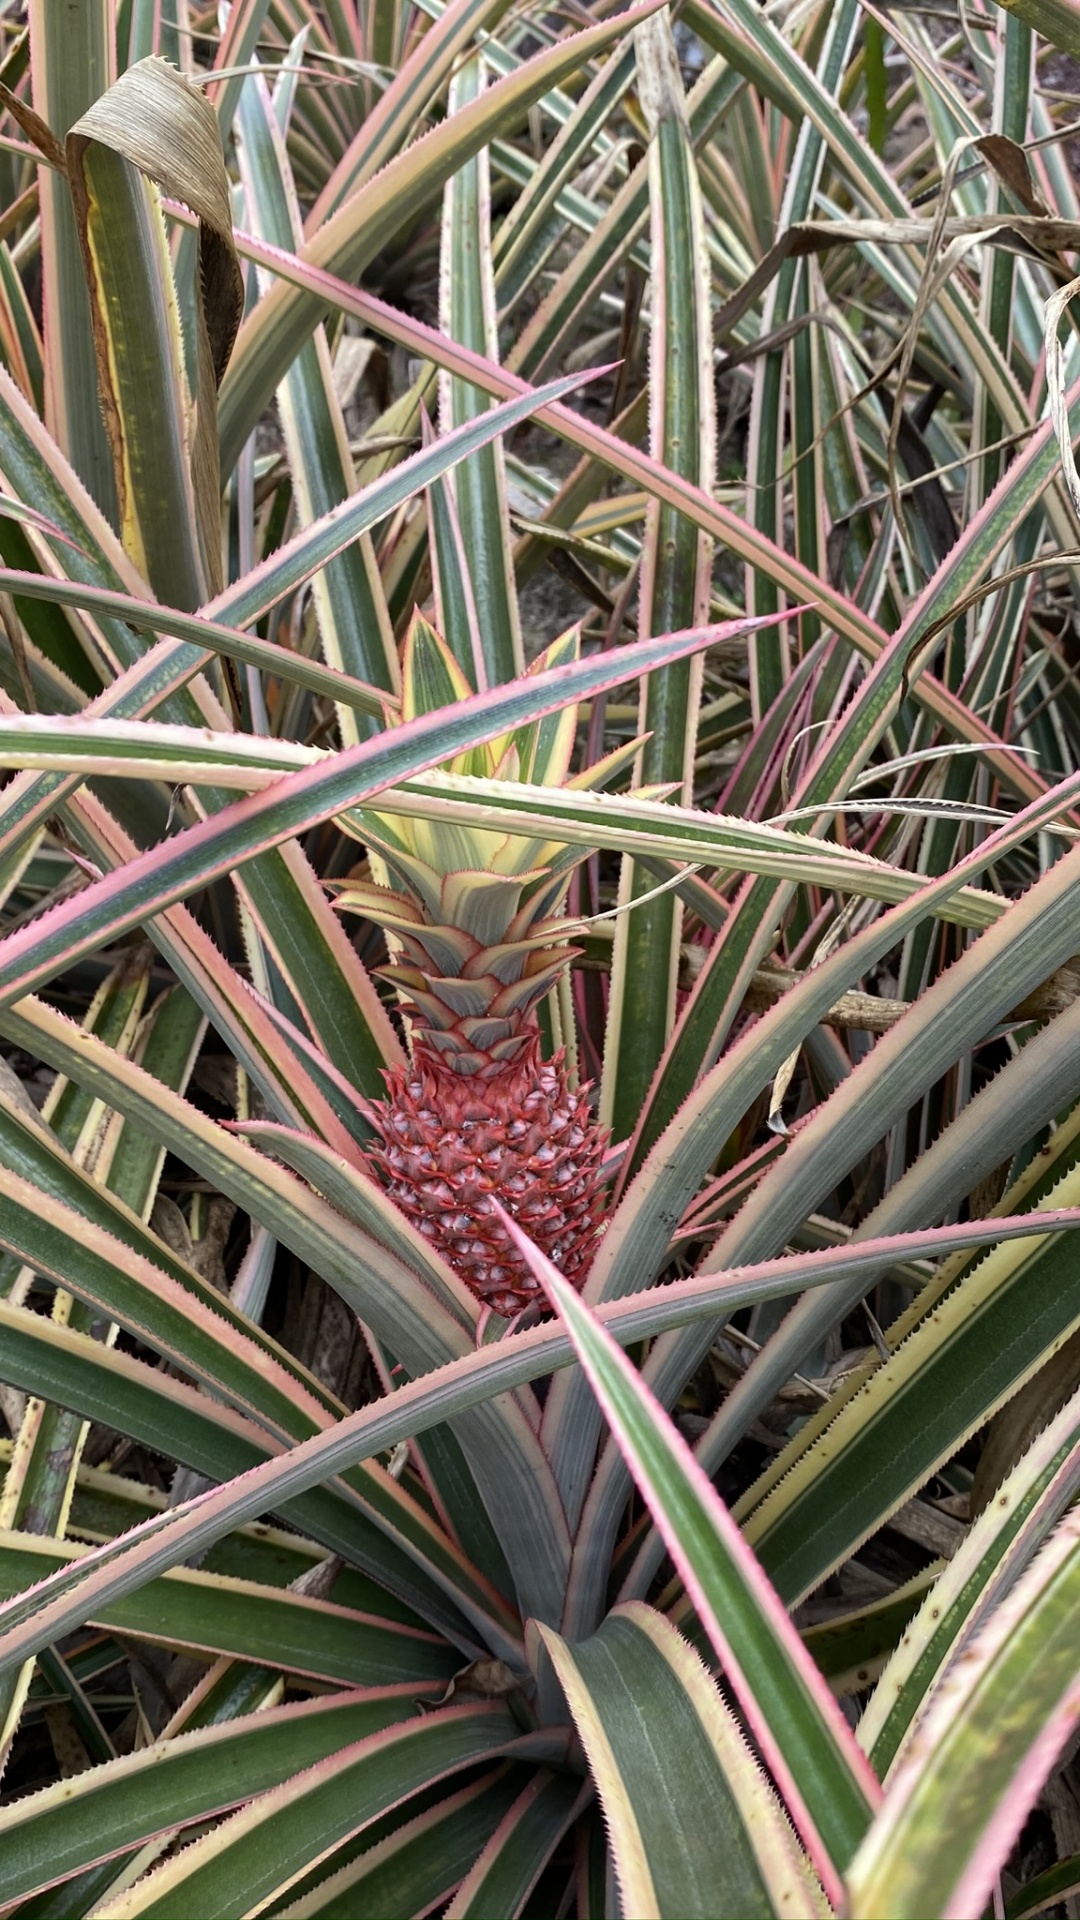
x=537, y=1149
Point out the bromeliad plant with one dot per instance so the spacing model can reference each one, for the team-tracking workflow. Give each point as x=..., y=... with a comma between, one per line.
x=333, y=1582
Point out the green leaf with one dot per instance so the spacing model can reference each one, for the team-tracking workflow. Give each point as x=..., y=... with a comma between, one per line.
x=279, y=661
x=164, y=1541
x=676, y=567
x=1056, y=20
x=68, y=1827
x=416, y=1865
x=388, y=1296
x=71, y=64
x=999, y=1544
x=353, y=621
x=261, y=1851
x=519, y=239
x=394, y=118
x=828, y=1788
x=38, y=1488
x=637, y=1240
x=955, y=1360
x=876, y=98
x=1045, y=1890
x=1034, y=935
x=959, y=1797
x=372, y=1522
x=153, y=123
x=191, y=858
x=503, y=1873
x=478, y=484
x=851, y=1648
x=645, y=828
x=214, y=1614
x=64, y=1225
x=662, y=1747
x=363, y=225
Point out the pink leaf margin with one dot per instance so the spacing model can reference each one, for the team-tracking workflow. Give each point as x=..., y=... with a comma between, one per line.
x=573, y=1311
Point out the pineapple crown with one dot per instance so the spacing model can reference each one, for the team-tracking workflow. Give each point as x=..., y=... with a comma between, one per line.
x=475, y=914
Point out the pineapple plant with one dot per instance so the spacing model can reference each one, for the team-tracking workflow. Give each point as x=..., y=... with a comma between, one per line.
x=475, y=922
x=506, y=1635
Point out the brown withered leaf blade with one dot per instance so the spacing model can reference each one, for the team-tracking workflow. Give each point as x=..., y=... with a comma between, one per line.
x=1013, y=169
x=1034, y=235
